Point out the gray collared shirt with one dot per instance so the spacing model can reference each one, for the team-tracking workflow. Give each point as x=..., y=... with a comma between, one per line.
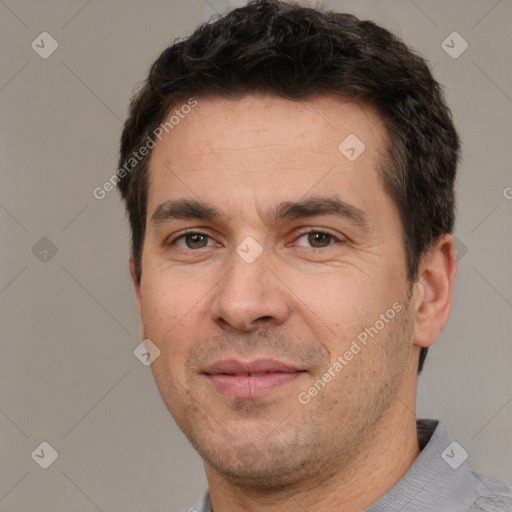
x=438, y=481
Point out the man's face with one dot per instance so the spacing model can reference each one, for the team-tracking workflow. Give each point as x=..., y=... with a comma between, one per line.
x=252, y=309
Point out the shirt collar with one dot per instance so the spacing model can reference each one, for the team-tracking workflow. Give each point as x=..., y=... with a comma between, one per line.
x=437, y=478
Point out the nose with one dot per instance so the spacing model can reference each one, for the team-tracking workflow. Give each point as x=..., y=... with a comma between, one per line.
x=250, y=295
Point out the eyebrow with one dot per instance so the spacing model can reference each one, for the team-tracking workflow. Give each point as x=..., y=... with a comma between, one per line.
x=185, y=209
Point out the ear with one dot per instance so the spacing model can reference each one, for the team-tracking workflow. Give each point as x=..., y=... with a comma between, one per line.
x=138, y=301
x=433, y=291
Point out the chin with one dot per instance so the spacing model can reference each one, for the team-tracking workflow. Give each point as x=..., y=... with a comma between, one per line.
x=266, y=466
x=264, y=475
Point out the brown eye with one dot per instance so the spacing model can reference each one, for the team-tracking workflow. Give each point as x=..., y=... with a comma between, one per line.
x=193, y=240
x=196, y=240
x=318, y=239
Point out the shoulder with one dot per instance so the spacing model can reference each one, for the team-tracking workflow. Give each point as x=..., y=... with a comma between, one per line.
x=495, y=495
x=202, y=504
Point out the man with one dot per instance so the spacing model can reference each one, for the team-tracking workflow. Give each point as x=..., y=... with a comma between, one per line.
x=289, y=181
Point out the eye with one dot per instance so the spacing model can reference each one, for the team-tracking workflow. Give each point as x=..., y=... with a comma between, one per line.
x=318, y=239
x=192, y=240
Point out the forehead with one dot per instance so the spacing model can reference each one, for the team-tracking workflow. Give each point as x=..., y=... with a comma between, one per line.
x=221, y=123
x=267, y=147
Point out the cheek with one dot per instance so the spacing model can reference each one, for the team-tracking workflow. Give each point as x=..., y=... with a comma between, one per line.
x=339, y=302
x=167, y=309
x=169, y=314
x=341, y=307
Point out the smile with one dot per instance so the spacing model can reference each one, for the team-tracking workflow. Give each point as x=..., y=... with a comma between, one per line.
x=251, y=380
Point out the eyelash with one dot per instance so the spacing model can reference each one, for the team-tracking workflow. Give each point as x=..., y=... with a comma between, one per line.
x=301, y=234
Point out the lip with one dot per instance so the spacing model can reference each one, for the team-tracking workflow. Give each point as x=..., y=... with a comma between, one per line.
x=250, y=379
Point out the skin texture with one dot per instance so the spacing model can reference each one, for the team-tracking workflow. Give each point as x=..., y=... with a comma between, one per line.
x=303, y=300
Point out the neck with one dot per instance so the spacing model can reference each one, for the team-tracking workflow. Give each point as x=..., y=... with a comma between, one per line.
x=383, y=458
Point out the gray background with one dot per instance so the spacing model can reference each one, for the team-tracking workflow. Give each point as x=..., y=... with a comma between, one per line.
x=68, y=321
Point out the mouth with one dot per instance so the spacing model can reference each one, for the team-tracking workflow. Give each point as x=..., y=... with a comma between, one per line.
x=250, y=380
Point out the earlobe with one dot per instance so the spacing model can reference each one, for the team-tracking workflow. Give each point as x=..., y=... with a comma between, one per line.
x=137, y=295
x=135, y=281
x=434, y=291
